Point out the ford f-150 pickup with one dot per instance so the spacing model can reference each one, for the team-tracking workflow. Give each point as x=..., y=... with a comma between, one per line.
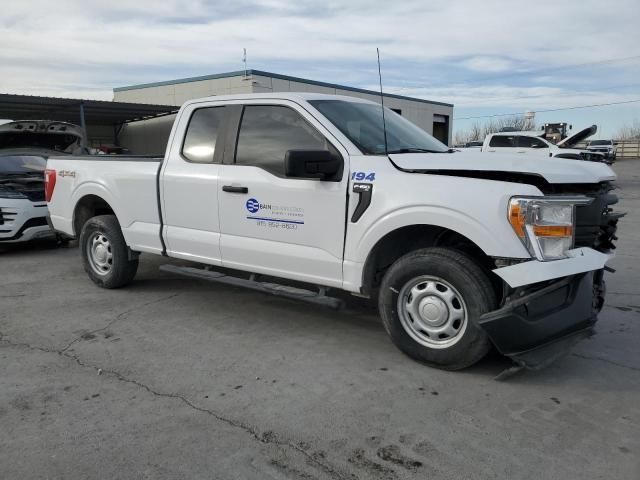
x=461, y=250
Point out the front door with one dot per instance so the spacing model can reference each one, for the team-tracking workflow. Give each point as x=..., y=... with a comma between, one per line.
x=271, y=224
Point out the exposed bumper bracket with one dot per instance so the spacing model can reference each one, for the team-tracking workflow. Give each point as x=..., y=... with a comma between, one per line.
x=535, y=329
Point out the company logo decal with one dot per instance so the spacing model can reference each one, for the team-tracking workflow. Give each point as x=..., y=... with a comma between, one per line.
x=253, y=205
x=285, y=217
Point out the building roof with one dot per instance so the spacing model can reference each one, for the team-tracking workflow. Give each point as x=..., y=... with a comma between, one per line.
x=96, y=112
x=273, y=75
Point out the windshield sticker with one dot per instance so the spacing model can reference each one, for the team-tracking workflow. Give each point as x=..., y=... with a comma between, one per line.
x=371, y=176
x=268, y=215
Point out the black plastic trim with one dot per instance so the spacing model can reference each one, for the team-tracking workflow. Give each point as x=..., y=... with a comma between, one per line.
x=365, y=192
x=32, y=222
x=526, y=327
x=160, y=219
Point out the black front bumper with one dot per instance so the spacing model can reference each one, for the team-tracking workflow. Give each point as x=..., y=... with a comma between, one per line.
x=536, y=328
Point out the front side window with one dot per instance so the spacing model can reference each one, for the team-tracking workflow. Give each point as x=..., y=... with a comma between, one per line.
x=267, y=132
x=502, y=141
x=362, y=124
x=202, y=134
x=531, y=142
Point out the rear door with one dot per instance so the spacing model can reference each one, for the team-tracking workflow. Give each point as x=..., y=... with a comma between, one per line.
x=287, y=227
x=190, y=185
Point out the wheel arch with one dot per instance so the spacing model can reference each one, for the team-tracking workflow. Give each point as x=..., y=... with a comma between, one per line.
x=402, y=240
x=89, y=206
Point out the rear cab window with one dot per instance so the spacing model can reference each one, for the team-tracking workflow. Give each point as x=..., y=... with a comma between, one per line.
x=202, y=134
x=502, y=141
x=531, y=142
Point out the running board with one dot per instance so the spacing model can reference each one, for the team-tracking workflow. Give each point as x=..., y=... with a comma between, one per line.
x=319, y=298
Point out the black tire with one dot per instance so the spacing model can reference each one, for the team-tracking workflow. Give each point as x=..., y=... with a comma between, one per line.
x=119, y=270
x=471, y=283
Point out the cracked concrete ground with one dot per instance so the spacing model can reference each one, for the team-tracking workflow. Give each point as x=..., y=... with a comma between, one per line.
x=178, y=378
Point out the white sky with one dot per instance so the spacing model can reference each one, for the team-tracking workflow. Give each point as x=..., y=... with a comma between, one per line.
x=485, y=57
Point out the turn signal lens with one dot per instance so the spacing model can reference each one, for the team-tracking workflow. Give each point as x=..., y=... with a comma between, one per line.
x=552, y=231
x=516, y=218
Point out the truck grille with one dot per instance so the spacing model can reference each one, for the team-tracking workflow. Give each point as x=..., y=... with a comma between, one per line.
x=596, y=223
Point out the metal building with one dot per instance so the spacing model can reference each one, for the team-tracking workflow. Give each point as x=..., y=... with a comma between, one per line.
x=433, y=117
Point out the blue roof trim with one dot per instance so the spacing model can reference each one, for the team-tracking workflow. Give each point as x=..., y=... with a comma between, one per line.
x=278, y=76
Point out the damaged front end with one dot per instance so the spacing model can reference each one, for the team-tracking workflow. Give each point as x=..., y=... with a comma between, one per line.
x=23, y=209
x=539, y=321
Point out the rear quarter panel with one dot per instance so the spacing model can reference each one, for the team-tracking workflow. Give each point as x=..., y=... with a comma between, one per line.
x=128, y=186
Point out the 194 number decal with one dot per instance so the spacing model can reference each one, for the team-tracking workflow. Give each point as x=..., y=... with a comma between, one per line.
x=363, y=176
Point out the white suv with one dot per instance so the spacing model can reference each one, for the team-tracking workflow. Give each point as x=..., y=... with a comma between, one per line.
x=606, y=147
x=23, y=209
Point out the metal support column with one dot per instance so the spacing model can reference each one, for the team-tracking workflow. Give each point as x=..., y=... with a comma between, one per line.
x=84, y=127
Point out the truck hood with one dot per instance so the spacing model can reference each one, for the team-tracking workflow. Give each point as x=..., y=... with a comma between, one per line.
x=553, y=170
x=578, y=137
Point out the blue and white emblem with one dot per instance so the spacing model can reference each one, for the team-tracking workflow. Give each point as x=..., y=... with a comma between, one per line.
x=253, y=205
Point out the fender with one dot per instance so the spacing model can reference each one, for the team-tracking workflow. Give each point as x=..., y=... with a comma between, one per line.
x=499, y=241
x=493, y=242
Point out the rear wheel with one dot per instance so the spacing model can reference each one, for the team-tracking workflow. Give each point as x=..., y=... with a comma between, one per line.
x=430, y=301
x=105, y=255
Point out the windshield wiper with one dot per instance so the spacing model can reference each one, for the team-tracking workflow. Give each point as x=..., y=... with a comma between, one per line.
x=416, y=150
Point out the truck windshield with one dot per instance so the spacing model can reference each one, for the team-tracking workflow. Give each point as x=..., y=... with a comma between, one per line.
x=600, y=142
x=362, y=124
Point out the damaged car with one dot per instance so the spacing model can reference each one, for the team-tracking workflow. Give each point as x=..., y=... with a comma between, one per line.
x=23, y=209
x=24, y=148
x=532, y=142
x=461, y=251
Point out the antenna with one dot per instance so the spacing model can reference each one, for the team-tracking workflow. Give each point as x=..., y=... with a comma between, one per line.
x=244, y=60
x=384, y=123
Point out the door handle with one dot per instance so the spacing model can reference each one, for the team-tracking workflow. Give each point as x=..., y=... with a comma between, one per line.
x=232, y=189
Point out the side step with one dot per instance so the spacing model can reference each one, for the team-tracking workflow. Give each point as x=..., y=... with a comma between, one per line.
x=318, y=298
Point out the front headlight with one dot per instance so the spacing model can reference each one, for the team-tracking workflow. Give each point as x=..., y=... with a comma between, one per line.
x=545, y=225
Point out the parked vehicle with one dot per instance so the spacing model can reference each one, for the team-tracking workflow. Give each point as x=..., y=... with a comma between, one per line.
x=461, y=250
x=530, y=142
x=24, y=146
x=41, y=137
x=23, y=209
x=556, y=132
x=474, y=144
x=605, y=147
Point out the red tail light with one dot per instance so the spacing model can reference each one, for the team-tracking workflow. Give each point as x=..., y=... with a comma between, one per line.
x=49, y=183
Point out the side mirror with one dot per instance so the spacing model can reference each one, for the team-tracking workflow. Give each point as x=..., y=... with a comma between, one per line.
x=320, y=164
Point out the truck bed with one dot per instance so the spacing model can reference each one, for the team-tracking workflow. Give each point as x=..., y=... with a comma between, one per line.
x=127, y=183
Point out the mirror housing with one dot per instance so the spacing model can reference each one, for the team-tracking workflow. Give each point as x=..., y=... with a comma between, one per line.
x=321, y=164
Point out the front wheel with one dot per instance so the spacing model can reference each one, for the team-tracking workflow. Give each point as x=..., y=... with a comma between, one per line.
x=430, y=301
x=105, y=254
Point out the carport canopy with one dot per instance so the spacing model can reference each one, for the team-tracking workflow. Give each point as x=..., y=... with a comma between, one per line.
x=95, y=112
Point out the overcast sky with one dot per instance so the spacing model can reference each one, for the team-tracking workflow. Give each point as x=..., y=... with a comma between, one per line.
x=487, y=57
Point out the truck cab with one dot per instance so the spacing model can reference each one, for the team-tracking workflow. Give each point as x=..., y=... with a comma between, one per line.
x=459, y=250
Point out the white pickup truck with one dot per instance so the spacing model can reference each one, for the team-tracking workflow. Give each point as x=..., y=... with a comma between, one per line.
x=461, y=250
